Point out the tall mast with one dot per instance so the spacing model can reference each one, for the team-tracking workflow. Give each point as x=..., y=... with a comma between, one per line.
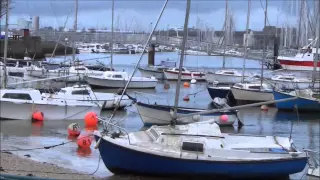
x=316, y=56
x=264, y=41
x=112, y=30
x=246, y=41
x=5, y=51
x=225, y=35
x=75, y=31
x=183, y=44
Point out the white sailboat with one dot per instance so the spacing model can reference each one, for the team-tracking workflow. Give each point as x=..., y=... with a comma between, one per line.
x=290, y=81
x=253, y=91
x=83, y=93
x=172, y=74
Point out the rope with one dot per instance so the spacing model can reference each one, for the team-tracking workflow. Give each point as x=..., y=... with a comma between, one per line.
x=41, y=148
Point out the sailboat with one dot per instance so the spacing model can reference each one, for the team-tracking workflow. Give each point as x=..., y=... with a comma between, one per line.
x=196, y=149
x=254, y=91
x=118, y=79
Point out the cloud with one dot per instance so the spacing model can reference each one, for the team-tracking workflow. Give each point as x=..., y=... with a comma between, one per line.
x=139, y=14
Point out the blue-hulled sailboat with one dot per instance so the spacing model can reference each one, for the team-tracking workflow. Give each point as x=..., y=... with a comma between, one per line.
x=307, y=101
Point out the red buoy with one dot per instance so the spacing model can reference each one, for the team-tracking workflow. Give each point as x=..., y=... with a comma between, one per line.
x=224, y=118
x=186, y=98
x=74, y=129
x=84, y=140
x=37, y=116
x=91, y=119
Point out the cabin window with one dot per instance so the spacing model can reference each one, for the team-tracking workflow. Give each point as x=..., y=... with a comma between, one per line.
x=228, y=72
x=154, y=133
x=80, y=92
x=238, y=85
x=254, y=87
x=117, y=76
x=17, y=96
x=192, y=146
x=290, y=79
x=80, y=69
x=63, y=91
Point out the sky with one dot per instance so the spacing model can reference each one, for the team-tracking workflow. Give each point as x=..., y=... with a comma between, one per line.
x=139, y=14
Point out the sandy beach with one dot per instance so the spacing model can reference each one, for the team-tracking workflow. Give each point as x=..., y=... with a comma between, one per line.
x=15, y=165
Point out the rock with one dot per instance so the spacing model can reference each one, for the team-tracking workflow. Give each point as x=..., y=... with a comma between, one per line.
x=27, y=155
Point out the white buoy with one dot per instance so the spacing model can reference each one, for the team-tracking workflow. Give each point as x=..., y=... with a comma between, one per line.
x=193, y=81
x=196, y=117
x=264, y=108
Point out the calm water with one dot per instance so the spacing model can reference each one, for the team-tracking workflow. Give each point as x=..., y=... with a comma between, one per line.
x=24, y=134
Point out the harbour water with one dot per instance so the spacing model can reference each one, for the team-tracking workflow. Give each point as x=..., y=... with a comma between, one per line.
x=24, y=134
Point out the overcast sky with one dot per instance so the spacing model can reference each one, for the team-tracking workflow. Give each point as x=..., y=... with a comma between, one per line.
x=135, y=14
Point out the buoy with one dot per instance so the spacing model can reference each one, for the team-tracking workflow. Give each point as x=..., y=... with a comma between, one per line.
x=166, y=86
x=196, y=117
x=91, y=119
x=74, y=129
x=224, y=118
x=186, y=98
x=264, y=108
x=84, y=141
x=37, y=116
x=193, y=81
x=186, y=84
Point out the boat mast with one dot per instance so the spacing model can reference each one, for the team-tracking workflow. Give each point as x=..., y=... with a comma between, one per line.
x=5, y=50
x=75, y=31
x=316, y=56
x=183, y=44
x=246, y=41
x=264, y=42
x=225, y=36
x=112, y=30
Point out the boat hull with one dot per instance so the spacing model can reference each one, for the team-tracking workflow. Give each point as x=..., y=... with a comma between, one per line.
x=97, y=82
x=303, y=104
x=56, y=73
x=119, y=159
x=23, y=111
x=298, y=65
x=223, y=79
x=161, y=115
x=184, y=76
x=149, y=73
x=251, y=95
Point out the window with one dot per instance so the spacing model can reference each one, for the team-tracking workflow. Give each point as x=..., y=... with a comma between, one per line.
x=80, y=69
x=117, y=76
x=17, y=96
x=191, y=146
x=154, y=133
x=289, y=79
x=229, y=73
x=254, y=87
x=63, y=91
x=80, y=92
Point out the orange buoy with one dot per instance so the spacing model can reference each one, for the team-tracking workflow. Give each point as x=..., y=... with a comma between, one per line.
x=37, y=116
x=84, y=141
x=74, y=129
x=186, y=84
x=264, y=108
x=91, y=119
x=186, y=98
x=224, y=118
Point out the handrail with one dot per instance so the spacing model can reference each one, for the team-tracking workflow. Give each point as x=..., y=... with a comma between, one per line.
x=109, y=123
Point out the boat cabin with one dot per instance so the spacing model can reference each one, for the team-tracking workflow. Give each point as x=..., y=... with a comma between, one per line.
x=253, y=86
x=230, y=72
x=116, y=75
x=21, y=94
x=76, y=90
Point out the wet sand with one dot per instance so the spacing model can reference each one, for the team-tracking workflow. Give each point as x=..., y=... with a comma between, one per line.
x=14, y=165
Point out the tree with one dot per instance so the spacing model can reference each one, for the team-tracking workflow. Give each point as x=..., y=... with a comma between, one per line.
x=61, y=29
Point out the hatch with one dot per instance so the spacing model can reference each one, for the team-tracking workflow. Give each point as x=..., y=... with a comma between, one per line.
x=192, y=146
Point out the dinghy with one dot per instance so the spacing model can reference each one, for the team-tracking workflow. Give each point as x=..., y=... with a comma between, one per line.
x=198, y=149
x=20, y=105
x=83, y=93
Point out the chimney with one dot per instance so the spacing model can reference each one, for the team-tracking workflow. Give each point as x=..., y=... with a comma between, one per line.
x=26, y=33
x=151, y=54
